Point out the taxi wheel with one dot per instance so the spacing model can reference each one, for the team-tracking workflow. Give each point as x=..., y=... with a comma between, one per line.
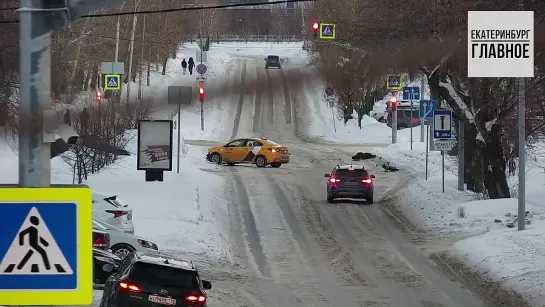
x=261, y=161
x=216, y=158
x=276, y=165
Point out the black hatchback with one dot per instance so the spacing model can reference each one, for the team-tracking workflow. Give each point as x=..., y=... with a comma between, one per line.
x=155, y=280
x=273, y=61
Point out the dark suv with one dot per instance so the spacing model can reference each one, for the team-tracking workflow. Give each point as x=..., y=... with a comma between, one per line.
x=404, y=119
x=350, y=181
x=272, y=61
x=155, y=280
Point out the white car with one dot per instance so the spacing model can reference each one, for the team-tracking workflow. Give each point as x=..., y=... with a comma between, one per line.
x=112, y=210
x=123, y=243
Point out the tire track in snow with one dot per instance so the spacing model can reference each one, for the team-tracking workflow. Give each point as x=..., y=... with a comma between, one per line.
x=270, y=114
x=250, y=228
x=240, y=101
x=287, y=98
x=258, y=106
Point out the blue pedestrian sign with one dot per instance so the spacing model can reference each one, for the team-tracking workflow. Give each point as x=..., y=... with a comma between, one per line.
x=442, y=124
x=411, y=93
x=201, y=69
x=112, y=82
x=426, y=108
x=327, y=31
x=45, y=247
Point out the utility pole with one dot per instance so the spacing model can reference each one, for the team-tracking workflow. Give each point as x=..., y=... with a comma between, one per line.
x=521, y=218
x=34, y=89
x=141, y=60
x=461, y=155
x=422, y=120
x=134, y=19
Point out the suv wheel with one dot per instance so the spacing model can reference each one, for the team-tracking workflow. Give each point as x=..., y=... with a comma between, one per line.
x=330, y=199
x=369, y=199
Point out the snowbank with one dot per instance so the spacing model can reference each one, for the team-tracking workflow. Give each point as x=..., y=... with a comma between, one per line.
x=184, y=213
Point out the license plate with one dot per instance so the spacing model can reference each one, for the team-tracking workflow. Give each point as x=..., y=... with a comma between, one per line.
x=351, y=183
x=162, y=300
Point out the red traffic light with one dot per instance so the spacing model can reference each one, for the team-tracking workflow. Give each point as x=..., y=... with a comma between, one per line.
x=315, y=26
x=201, y=94
x=393, y=99
x=99, y=96
x=201, y=91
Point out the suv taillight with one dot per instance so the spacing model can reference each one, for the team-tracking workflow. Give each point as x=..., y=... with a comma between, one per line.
x=129, y=287
x=118, y=213
x=101, y=242
x=334, y=180
x=367, y=180
x=196, y=298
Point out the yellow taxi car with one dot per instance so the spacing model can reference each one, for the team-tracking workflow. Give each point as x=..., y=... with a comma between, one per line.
x=258, y=151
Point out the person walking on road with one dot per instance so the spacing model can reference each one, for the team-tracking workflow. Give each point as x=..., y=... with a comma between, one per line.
x=184, y=66
x=191, y=64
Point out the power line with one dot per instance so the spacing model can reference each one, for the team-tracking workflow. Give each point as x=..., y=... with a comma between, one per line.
x=191, y=8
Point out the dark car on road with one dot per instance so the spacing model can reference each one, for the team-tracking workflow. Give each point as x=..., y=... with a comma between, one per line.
x=273, y=61
x=104, y=263
x=350, y=181
x=155, y=280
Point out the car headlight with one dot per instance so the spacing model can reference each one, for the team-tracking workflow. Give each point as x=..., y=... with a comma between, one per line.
x=147, y=244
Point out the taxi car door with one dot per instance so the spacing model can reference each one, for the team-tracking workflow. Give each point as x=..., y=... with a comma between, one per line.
x=251, y=148
x=233, y=151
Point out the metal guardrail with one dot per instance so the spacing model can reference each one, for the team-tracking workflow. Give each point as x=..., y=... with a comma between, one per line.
x=254, y=38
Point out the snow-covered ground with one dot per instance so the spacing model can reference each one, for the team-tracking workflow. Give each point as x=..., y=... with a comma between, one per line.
x=492, y=245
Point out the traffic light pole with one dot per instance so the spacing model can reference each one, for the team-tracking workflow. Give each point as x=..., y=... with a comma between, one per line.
x=394, y=124
x=422, y=120
x=34, y=90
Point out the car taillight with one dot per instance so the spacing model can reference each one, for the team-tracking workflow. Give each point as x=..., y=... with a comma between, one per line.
x=366, y=180
x=332, y=179
x=129, y=287
x=272, y=149
x=118, y=213
x=196, y=298
x=101, y=242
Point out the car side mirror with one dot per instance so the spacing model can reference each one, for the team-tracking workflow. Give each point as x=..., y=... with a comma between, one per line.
x=206, y=284
x=327, y=175
x=265, y=59
x=372, y=176
x=108, y=267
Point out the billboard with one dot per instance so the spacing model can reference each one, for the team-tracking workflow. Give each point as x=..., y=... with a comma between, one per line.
x=154, y=145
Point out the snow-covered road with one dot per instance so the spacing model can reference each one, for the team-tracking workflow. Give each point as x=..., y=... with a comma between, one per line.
x=292, y=248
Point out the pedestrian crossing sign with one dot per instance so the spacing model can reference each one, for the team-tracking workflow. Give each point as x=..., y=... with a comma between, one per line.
x=45, y=246
x=327, y=31
x=112, y=82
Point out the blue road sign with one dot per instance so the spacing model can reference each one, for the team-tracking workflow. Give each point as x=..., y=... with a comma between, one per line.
x=39, y=246
x=442, y=124
x=201, y=69
x=329, y=91
x=327, y=31
x=411, y=93
x=426, y=108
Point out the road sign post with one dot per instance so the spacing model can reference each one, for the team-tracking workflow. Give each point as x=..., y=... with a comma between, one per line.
x=442, y=134
x=179, y=95
x=422, y=120
x=327, y=31
x=411, y=93
x=54, y=266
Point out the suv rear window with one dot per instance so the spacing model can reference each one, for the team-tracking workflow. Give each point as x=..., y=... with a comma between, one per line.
x=165, y=276
x=360, y=173
x=273, y=57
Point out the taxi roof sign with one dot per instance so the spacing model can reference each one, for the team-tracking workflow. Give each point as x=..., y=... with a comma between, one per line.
x=55, y=266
